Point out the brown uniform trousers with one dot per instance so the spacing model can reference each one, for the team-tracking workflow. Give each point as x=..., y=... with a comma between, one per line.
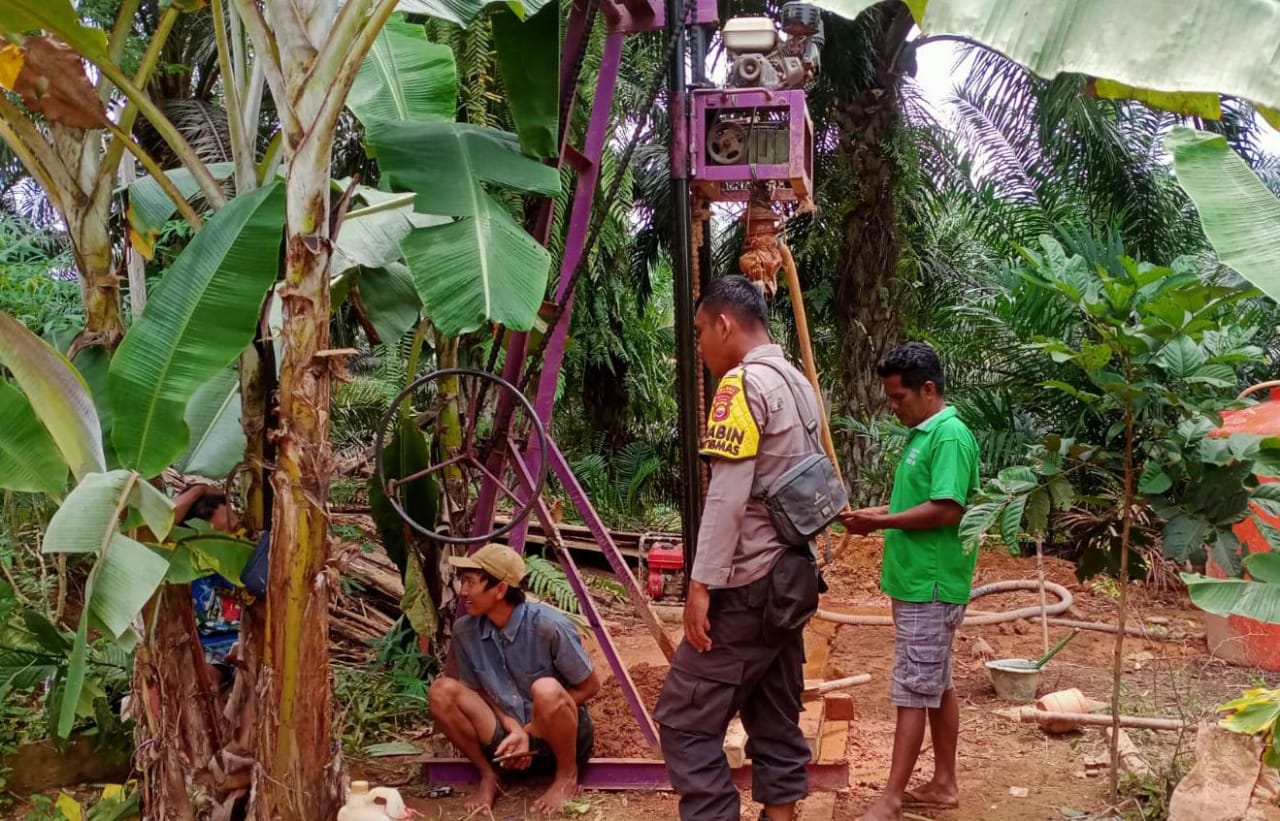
x=753, y=669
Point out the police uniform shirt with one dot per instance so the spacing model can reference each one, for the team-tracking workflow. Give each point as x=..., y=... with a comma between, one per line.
x=754, y=434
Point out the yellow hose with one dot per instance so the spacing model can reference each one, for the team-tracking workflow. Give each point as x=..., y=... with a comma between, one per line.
x=810, y=369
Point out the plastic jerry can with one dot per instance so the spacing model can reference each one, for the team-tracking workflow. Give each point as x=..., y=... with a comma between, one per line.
x=377, y=804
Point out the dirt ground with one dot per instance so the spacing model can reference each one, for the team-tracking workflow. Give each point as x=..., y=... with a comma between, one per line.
x=1008, y=771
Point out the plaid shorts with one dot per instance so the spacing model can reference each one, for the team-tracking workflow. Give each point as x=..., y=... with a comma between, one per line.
x=923, y=634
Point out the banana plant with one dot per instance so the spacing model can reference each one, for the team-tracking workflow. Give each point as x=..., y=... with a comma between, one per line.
x=420, y=248
x=196, y=324
x=309, y=53
x=1190, y=53
x=57, y=131
x=480, y=265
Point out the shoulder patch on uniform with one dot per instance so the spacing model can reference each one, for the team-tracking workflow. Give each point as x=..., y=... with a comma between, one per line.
x=732, y=432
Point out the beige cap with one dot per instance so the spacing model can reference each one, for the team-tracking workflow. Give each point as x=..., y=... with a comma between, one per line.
x=498, y=560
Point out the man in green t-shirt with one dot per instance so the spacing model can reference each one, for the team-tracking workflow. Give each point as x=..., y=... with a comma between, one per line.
x=925, y=573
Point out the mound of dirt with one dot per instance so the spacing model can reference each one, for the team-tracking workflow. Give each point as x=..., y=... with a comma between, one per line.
x=617, y=733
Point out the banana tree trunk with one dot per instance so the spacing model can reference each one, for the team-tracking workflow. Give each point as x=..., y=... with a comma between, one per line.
x=298, y=763
x=178, y=726
x=449, y=429
x=91, y=243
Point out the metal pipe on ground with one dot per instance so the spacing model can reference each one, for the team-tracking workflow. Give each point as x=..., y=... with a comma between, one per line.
x=1030, y=715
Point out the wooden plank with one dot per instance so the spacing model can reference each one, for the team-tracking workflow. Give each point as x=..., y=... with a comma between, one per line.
x=811, y=726
x=735, y=741
x=838, y=707
x=834, y=745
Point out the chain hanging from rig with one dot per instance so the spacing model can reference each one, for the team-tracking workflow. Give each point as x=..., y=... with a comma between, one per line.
x=701, y=216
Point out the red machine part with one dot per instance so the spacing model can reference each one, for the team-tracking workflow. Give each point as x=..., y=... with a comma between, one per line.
x=665, y=560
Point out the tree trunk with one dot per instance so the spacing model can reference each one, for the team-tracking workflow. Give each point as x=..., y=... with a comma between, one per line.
x=864, y=296
x=91, y=243
x=1117, y=659
x=298, y=762
x=175, y=698
x=449, y=433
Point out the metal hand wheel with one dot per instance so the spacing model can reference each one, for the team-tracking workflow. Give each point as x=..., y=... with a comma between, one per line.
x=483, y=457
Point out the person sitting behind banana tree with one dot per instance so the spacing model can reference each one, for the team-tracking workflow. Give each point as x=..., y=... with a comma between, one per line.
x=217, y=604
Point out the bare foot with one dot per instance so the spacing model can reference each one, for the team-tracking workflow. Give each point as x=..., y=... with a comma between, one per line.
x=884, y=809
x=560, y=791
x=485, y=794
x=933, y=795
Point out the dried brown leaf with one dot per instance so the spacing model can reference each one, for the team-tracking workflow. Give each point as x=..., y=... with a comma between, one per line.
x=52, y=81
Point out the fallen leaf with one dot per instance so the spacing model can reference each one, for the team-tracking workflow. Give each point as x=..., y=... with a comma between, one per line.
x=69, y=807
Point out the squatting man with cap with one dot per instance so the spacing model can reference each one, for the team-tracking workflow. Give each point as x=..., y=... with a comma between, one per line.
x=524, y=678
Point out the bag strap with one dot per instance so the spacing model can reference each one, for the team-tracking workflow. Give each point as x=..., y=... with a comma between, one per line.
x=811, y=423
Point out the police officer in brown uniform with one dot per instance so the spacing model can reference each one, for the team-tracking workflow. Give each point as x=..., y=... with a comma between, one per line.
x=750, y=593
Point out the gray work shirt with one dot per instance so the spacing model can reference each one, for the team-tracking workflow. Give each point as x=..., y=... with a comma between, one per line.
x=737, y=543
x=537, y=642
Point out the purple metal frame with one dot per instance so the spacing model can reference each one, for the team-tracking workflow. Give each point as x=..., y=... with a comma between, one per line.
x=623, y=17
x=709, y=179
x=620, y=672
x=634, y=774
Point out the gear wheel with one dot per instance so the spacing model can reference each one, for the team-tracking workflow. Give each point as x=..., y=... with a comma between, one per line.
x=727, y=143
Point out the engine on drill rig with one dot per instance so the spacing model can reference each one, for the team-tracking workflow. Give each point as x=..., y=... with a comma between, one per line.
x=750, y=122
x=762, y=59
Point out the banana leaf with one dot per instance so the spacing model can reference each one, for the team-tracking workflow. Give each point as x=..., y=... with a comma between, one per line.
x=195, y=324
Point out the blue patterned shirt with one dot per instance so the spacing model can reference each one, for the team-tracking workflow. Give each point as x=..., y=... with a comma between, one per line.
x=537, y=642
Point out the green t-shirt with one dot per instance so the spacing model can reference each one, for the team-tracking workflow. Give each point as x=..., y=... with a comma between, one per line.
x=940, y=461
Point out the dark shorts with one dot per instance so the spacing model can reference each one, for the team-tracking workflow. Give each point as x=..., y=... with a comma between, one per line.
x=923, y=635
x=544, y=761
